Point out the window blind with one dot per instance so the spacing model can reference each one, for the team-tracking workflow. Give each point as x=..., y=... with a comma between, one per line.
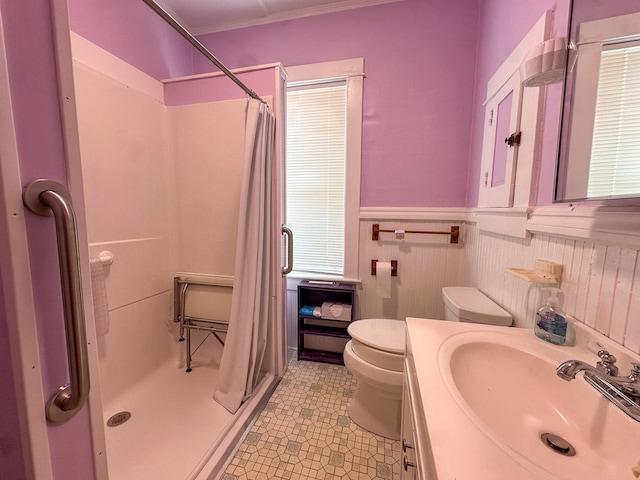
x=315, y=176
x=615, y=152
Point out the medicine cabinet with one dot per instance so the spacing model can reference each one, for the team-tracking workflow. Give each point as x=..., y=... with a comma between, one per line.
x=511, y=133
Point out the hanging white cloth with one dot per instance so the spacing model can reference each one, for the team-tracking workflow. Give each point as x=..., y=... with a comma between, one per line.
x=253, y=285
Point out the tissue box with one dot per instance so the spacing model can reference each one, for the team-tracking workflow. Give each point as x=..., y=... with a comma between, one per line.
x=336, y=311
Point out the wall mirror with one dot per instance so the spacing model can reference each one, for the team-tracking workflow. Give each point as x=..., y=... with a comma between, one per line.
x=599, y=150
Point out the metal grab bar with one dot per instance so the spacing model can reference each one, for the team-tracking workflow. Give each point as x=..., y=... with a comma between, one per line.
x=46, y=197
x=287, y=231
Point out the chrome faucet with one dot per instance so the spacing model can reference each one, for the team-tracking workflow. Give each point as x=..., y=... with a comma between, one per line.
x=622, y=391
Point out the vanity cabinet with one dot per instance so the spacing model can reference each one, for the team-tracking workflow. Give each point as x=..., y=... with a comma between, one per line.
x=408, y=460
x=416, y=456
x=321, y=338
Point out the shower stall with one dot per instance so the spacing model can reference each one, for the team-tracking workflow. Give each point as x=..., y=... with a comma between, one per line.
x=162, y=167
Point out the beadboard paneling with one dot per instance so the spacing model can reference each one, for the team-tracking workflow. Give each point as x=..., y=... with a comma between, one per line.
x=426, y=263
x=598, y=280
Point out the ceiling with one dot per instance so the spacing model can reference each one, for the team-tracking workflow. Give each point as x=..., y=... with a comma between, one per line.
x=208, y=16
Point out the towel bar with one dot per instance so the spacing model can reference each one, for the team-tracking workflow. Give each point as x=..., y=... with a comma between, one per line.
x=454, y=234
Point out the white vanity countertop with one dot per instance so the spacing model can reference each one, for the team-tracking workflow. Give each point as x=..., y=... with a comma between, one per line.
x=460, y=449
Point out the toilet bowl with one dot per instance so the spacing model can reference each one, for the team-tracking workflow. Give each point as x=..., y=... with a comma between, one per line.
x=375, y=356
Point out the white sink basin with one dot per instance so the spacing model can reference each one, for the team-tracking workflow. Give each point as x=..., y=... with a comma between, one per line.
x=506, y=383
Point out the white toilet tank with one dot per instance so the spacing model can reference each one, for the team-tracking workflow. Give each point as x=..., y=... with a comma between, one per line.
x=468, y=304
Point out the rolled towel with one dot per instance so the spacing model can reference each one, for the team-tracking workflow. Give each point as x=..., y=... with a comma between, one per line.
x=99, y=290
x=308, y=311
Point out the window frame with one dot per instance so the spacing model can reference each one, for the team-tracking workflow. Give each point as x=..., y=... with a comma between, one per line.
x=351, y=71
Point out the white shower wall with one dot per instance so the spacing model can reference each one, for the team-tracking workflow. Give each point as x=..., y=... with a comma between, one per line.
x=162, y=194
x=128, y=198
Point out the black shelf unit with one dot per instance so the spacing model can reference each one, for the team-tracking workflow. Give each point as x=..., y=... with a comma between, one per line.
x=314, y=294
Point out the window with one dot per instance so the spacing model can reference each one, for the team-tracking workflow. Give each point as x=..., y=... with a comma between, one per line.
x=615, y=153
x=315, y=173
x=324, y=124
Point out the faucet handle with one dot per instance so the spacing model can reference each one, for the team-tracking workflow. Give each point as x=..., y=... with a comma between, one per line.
x=607, y=363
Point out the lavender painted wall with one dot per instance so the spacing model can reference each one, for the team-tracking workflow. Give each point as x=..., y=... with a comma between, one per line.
x=419, y=64
x=427, y=64
x=219, y=88
x=32, y=76
x=130, y=30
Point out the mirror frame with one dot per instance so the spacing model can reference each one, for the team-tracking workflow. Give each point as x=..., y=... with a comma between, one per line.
x=565, y=125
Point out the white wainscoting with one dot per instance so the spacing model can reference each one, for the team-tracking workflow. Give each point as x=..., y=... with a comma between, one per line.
x=598, y=279
x=426, y=263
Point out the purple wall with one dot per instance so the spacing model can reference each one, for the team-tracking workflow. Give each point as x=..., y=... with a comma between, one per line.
x=419, y=64
x=132, y=31
x=32, y=76
x=219, y=88
x=427, y=63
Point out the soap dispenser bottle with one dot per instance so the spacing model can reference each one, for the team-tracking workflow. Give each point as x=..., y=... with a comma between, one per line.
x=550, y=323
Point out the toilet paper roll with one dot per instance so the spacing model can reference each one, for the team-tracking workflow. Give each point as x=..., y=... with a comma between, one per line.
x=383, y=279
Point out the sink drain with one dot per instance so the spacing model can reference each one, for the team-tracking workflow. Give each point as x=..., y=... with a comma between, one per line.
x=558, y=444
x=118, y=419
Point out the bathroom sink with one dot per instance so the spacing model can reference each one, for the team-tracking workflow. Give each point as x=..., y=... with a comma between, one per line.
x=507, y=385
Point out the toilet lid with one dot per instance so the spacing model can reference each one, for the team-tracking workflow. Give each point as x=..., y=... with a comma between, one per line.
x=380, y=333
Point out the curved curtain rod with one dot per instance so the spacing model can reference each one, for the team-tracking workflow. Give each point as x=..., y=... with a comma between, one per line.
x=166, y=16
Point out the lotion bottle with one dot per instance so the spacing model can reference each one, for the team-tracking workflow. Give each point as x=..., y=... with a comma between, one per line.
x=550, y=322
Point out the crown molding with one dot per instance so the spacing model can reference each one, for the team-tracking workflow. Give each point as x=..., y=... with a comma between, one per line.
x=291, y=15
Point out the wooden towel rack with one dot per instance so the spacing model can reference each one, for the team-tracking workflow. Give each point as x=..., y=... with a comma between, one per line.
x=454, y=234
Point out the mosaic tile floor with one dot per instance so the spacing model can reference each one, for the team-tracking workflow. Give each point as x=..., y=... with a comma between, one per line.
x=304, y=432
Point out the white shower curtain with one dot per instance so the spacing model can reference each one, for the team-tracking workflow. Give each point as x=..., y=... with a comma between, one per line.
x=253, y=285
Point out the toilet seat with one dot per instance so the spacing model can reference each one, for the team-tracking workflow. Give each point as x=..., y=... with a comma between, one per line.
x=379, y=342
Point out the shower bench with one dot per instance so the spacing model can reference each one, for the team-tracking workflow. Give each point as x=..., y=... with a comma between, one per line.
x=187, y=322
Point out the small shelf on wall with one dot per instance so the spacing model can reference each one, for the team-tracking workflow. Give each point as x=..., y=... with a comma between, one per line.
x=544, y=272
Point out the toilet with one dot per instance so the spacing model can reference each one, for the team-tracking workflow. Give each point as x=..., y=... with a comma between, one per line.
x=375, y=356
